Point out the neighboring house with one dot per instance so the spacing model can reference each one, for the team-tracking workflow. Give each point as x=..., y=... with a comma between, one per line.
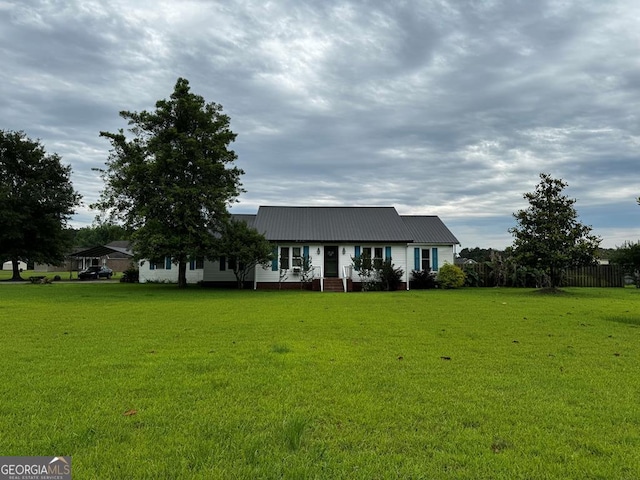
x=9, y=265
x=461, y=261
x=116, y=255
x=330, y=237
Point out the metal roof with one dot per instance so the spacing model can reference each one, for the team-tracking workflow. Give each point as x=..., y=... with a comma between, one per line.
x=428, y=229
x=326, y=224
x=331, y=224
x=347, y=224
x=248, y=218
x=103, y=250
x=122, y=246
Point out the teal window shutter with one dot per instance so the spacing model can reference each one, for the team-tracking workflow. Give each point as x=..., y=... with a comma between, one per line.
x=192, y=265
x=434, y=259
x=167, y=263
x=387, y=253
x=305, y=252
x=152, y=266
x=357, y=254
x=274, y=260
x=223, y=263
x=416, y=258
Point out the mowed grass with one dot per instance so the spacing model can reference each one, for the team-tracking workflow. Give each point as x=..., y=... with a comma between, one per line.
x=64, y=276
x=145, y=381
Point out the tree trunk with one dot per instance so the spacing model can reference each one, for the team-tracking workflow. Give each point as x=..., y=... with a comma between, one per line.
x=182, y=274
x=16, y=271
x=555, y=277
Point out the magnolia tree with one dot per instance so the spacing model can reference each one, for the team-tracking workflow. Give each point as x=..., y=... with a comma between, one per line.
x=548, y=235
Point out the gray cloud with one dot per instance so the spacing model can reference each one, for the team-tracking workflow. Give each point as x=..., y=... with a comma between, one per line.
x=436, y=107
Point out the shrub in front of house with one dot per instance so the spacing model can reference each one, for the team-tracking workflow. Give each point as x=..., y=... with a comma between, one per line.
x=131, y=275
x=423, y=279
x=377, y=275
x=390, y=276
x=450, y=276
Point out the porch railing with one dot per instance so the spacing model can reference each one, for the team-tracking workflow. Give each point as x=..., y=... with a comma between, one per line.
x=318, y=267
x=347, y=271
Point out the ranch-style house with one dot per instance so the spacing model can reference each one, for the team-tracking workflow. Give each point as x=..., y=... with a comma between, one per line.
x=330, y=238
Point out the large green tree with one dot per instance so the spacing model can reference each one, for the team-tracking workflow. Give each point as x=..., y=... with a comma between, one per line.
x=245, y=247
x=548, y=235
x=99, y=234
x=173, y=181
x=36, y=201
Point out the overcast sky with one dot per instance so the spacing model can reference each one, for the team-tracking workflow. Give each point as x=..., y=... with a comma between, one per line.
x=448, y=108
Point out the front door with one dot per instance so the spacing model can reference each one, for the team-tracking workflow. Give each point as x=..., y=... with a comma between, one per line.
x=331, y=261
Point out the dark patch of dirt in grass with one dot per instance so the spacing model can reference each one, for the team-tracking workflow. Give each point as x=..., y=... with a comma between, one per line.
x=499, y=445
x=280, y=348
x=550, y=291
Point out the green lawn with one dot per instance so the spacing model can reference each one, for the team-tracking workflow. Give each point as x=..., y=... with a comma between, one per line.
x=146, y=381
x=64, y=276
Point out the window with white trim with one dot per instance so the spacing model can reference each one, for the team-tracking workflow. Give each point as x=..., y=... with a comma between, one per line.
x=377, y=256
x=372, y=256
x=197, y=264
x=426, y=264
x=157, y=265
x=284, y=258
x=296, y=256
x=366, y=258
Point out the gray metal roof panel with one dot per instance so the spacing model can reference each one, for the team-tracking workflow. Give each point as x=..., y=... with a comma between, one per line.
x=126, y=244
x=248, y=218
x=332, y=224
x=101, y=251
x=428, y=229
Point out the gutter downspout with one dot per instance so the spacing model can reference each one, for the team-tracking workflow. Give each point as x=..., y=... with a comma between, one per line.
x=406, y=262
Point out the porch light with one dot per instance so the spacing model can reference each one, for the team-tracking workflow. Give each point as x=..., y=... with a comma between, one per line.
x=318, y=251
x=343, y=251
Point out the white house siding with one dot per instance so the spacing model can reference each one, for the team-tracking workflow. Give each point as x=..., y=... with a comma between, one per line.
x=398, y=255
x=268, y=275
x=9, y=265
x=165, y=275
x=402, y=256
x=213, y=274
x=445, y=254
x=399, y=260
